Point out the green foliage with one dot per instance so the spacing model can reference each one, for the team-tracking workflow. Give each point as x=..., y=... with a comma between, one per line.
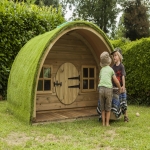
x=4, y=72
x=101, y=12
x=136, y=56
x=136, y=61
x=19, y=22
x=120, y=42
x=26, y=1
x=136, y=21
x=55, y=3
x=120, y=30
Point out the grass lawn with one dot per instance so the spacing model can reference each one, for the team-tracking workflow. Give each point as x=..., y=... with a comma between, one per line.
x=77, y=135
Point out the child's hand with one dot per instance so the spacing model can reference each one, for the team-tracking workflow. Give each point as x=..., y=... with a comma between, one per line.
x=122, y=89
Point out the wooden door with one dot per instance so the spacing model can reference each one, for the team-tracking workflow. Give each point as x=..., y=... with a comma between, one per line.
x=67, y=83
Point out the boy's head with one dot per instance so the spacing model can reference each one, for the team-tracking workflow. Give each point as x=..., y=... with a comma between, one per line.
x=117, y=55
x=105, y=60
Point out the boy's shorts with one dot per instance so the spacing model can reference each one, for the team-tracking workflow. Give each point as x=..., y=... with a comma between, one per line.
x=105, y=96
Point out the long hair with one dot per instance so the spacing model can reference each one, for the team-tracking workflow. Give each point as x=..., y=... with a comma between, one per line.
x=120, y=56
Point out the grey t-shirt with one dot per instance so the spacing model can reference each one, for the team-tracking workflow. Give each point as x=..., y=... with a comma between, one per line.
x=119, y=72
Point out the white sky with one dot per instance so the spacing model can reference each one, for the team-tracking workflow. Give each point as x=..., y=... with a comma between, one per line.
x=119, y=15
x=69, y=13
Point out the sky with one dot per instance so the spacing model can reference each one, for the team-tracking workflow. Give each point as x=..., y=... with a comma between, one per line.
x=69, y=13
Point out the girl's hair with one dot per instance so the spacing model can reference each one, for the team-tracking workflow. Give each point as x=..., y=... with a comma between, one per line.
x=120, y=56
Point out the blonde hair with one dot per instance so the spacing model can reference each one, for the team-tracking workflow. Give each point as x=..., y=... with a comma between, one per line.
x=120, y=56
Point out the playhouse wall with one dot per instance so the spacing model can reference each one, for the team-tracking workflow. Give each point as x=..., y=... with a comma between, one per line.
x=68, y=49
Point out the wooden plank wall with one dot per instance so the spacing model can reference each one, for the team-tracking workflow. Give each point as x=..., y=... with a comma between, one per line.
x=68, y=49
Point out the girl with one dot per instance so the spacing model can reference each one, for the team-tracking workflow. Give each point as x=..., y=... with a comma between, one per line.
x=120, y=73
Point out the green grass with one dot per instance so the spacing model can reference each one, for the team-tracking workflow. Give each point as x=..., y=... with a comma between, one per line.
x=77, y=135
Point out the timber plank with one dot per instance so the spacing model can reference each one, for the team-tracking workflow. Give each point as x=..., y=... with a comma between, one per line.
x=59, y=105
x=74, y=56
x=68, y=37
x=56, y=62
x=49, y=99
x=67, y=49
x=66, y=114
x=70, y=42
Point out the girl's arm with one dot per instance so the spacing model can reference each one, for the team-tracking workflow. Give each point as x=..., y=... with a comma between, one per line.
x=123, y=82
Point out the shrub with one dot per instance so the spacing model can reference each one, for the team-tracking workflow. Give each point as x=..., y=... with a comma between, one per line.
x=120, y=42
x=19, y=23
x=136, y=61
x=4, y=72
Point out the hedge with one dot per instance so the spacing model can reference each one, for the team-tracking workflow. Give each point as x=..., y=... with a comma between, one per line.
x=137, y=64
x=19, y=22
x=120, y=42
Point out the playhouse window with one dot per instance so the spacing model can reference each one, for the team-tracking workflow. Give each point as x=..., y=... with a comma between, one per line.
x=88, y=78
x=44, y=83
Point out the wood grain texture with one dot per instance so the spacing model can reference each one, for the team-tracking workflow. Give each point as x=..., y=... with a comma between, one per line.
x=69, y=53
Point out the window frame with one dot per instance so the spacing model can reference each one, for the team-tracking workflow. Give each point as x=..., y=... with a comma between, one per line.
x=42, y=79
x=88, y=78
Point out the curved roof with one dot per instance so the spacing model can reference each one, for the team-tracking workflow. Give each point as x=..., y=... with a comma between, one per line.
x=23, y=77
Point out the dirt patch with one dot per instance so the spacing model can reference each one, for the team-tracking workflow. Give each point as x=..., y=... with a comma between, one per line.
x=110, y=135
x=22, y=138
x=16, y=139
x=47, y=138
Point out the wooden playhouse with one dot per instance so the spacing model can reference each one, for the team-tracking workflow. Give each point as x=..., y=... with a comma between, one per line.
x=55, y=75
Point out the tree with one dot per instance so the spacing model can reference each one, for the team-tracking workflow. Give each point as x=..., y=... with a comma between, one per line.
x=55, y=3
x=101, y=12
x=135, y=20
x=26, y=1
x=120, y=30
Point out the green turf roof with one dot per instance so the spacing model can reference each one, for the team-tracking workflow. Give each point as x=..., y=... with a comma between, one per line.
x=23, y=75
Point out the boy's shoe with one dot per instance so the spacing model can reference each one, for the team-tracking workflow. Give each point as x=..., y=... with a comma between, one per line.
x=126, y=119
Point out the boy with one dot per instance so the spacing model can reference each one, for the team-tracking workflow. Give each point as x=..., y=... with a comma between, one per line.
x=119, y=70
x=105, y=87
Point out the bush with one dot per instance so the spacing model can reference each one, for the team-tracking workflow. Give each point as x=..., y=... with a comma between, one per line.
x=4, y=72
x=120, y=42
x=137, y=64
x=136, y=60
x=19, y=23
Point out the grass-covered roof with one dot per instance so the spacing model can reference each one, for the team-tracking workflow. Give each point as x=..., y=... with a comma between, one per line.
x=24, y=71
